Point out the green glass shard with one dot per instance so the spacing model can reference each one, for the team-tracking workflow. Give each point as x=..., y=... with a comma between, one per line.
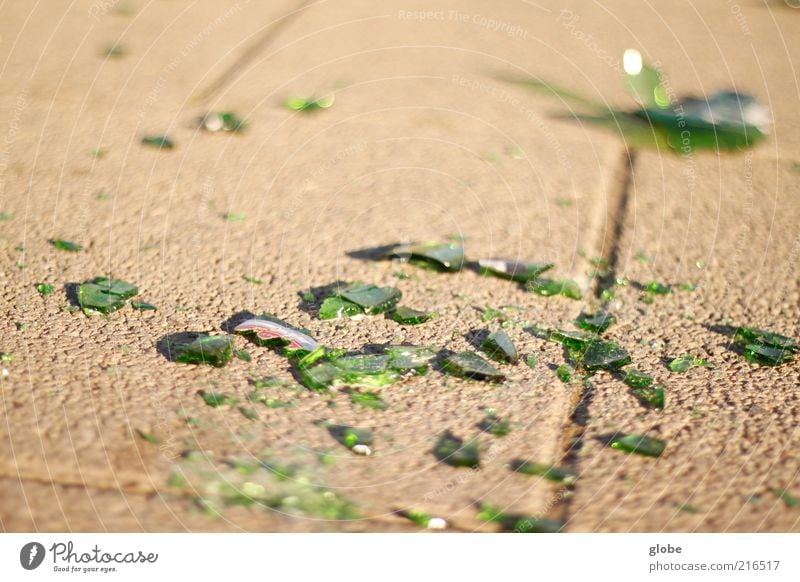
x=243, y=355
x=495, y=425
x=224, y=121
x=65, y=245
x=217, y=399
x=605, y=356
x=641, y=445
x=149, y=437
x=309, y=104
x=312, y=357
x=453, y=451
x=471, y=366
x=531, y=360
x=249, y=413
x=517, y=523
x=406, y=359
x=214, y=350
x=234, y=216
x=419, y=517
x=549, y=472
x=105, y=295
x=499, y=346
x=597, y=322
x=551, y=287
x=370, y=298
x=636, y=379
x=366, y=370
x=564, y=373
x=490, y=313
x=160, y=142
x=750, y=335
x=513, y=270
x=767, y=355
x=440, y=256
x=350, y=436
x=789, y=499
x=657, y=288
x=143, y=306
x=368, y=400
x=576, y=340
x=685, y=362
x=338, y=307
x=652, y=396
x=408, y=316
x=643, y=81
x=45, y=288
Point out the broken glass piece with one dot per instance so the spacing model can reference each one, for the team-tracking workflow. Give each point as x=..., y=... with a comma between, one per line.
x=423, y=519
x=499, y=346
x=337, y=308
x=564, y=373
x=643, y=82
x=471, y=366
x=349, y=436
x=269, y=330
x=576, y=340
x=105, y=295
x=65, y=245
x=143, y=306
x=789, y=499
x=161, y=142
x=683, y=363
x=495, y=425
x=406, y=359
x=517, y=523
x=749, y=335
x=657, y=288
x=408, y=316
x=441, y=256
x=550, y=287
x=370, y=298
x=368, y=400
x=200, y=348
x=549, y=472
x=641, y=445
x=598, y=322
x=366, y=370
x=223, y=121
x=531, y=360
x=652, y=396
x=320, y=377
x=243, y=355
x=453, y=451
x=310, y=103
x=767, y=355
x=216, y=399
x=726, y=120
x=636, y=379
x=45, y=288
x=605, y=355
x=513, y=270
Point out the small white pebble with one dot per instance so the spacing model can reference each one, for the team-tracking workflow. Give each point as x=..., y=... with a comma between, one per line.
x=362, y=450
x=5, y=372
x=437, y=523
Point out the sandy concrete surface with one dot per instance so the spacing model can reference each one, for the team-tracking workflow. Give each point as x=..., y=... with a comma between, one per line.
x=425, y=141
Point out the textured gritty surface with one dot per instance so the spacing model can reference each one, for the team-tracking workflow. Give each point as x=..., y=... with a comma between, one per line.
x=423, y=142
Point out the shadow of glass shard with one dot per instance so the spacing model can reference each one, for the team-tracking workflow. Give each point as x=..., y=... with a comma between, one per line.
x=453, y=451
